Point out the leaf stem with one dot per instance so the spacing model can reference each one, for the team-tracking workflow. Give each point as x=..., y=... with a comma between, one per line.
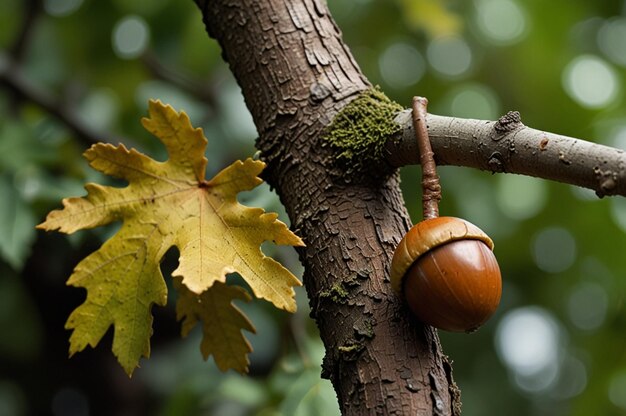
x=431, y=189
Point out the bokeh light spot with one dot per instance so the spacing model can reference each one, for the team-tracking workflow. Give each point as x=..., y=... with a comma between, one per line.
x=591, y=82
x=130, y=37
x=618, y=137
x=143, y=7
x=475, y=200
x=617, y=390
x=236, y=116
x=527, y=341
x=401, y=65
x=449, y=56
x=473, y=101
x=618, y=212
x=540, y=381
x=521, y=197
x=27, y=181
x=100, y=109
x=611, y=40
x=169, y=94
x=554, y=250
x=572, y=378
x=60, y=8
x=587, y=305
x=502, y=22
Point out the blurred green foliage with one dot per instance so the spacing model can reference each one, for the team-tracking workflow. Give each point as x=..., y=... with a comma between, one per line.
x=556, y=345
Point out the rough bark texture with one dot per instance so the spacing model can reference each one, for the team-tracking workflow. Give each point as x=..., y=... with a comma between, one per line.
x=296, y=74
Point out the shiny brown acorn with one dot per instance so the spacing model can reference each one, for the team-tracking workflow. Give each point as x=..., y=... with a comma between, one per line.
x=446, y=270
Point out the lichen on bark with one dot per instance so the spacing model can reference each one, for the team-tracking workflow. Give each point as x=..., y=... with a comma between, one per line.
x=360, y=130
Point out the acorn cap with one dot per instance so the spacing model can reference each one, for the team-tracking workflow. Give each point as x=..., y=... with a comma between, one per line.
x=426, y=235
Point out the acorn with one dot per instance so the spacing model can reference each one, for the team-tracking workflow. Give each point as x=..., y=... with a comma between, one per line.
x=446, y=270
x=444, y=267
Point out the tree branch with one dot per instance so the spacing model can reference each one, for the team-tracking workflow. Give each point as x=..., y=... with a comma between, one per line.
x=31, y=12
x=198, y=88
x=508, y=146
x=12, y=79
x=296, y=74
x=19, y=47
x=21, y=89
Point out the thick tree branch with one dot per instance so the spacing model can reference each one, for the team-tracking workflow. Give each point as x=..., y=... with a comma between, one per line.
x=508, y=146
x=296, y=75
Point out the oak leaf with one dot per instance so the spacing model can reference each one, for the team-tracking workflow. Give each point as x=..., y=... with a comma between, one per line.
x=171, y=204
x=221, y=323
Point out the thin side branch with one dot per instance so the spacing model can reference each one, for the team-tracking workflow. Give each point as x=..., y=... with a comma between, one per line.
x=32, y=9
x=509, y=146
x=431, y=188
x=201, y=89
x=19, y=47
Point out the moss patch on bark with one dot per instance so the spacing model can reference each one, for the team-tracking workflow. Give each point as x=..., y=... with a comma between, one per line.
x=360, y=130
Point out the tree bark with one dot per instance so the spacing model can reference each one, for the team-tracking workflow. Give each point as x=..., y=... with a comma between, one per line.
x=506, y=145
x=296, y=74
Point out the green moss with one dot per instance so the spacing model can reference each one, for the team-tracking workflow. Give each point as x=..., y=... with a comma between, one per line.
x=337, y=293
x=360, y=130
x=352, y=347
x=351, y=280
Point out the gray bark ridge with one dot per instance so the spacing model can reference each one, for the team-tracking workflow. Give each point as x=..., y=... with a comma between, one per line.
x=296, y=74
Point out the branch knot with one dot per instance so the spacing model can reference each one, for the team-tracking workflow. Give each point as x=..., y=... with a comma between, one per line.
x=507, y=123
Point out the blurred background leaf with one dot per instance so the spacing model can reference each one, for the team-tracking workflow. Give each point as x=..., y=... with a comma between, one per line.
x=556, y=345
x=16, y=224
